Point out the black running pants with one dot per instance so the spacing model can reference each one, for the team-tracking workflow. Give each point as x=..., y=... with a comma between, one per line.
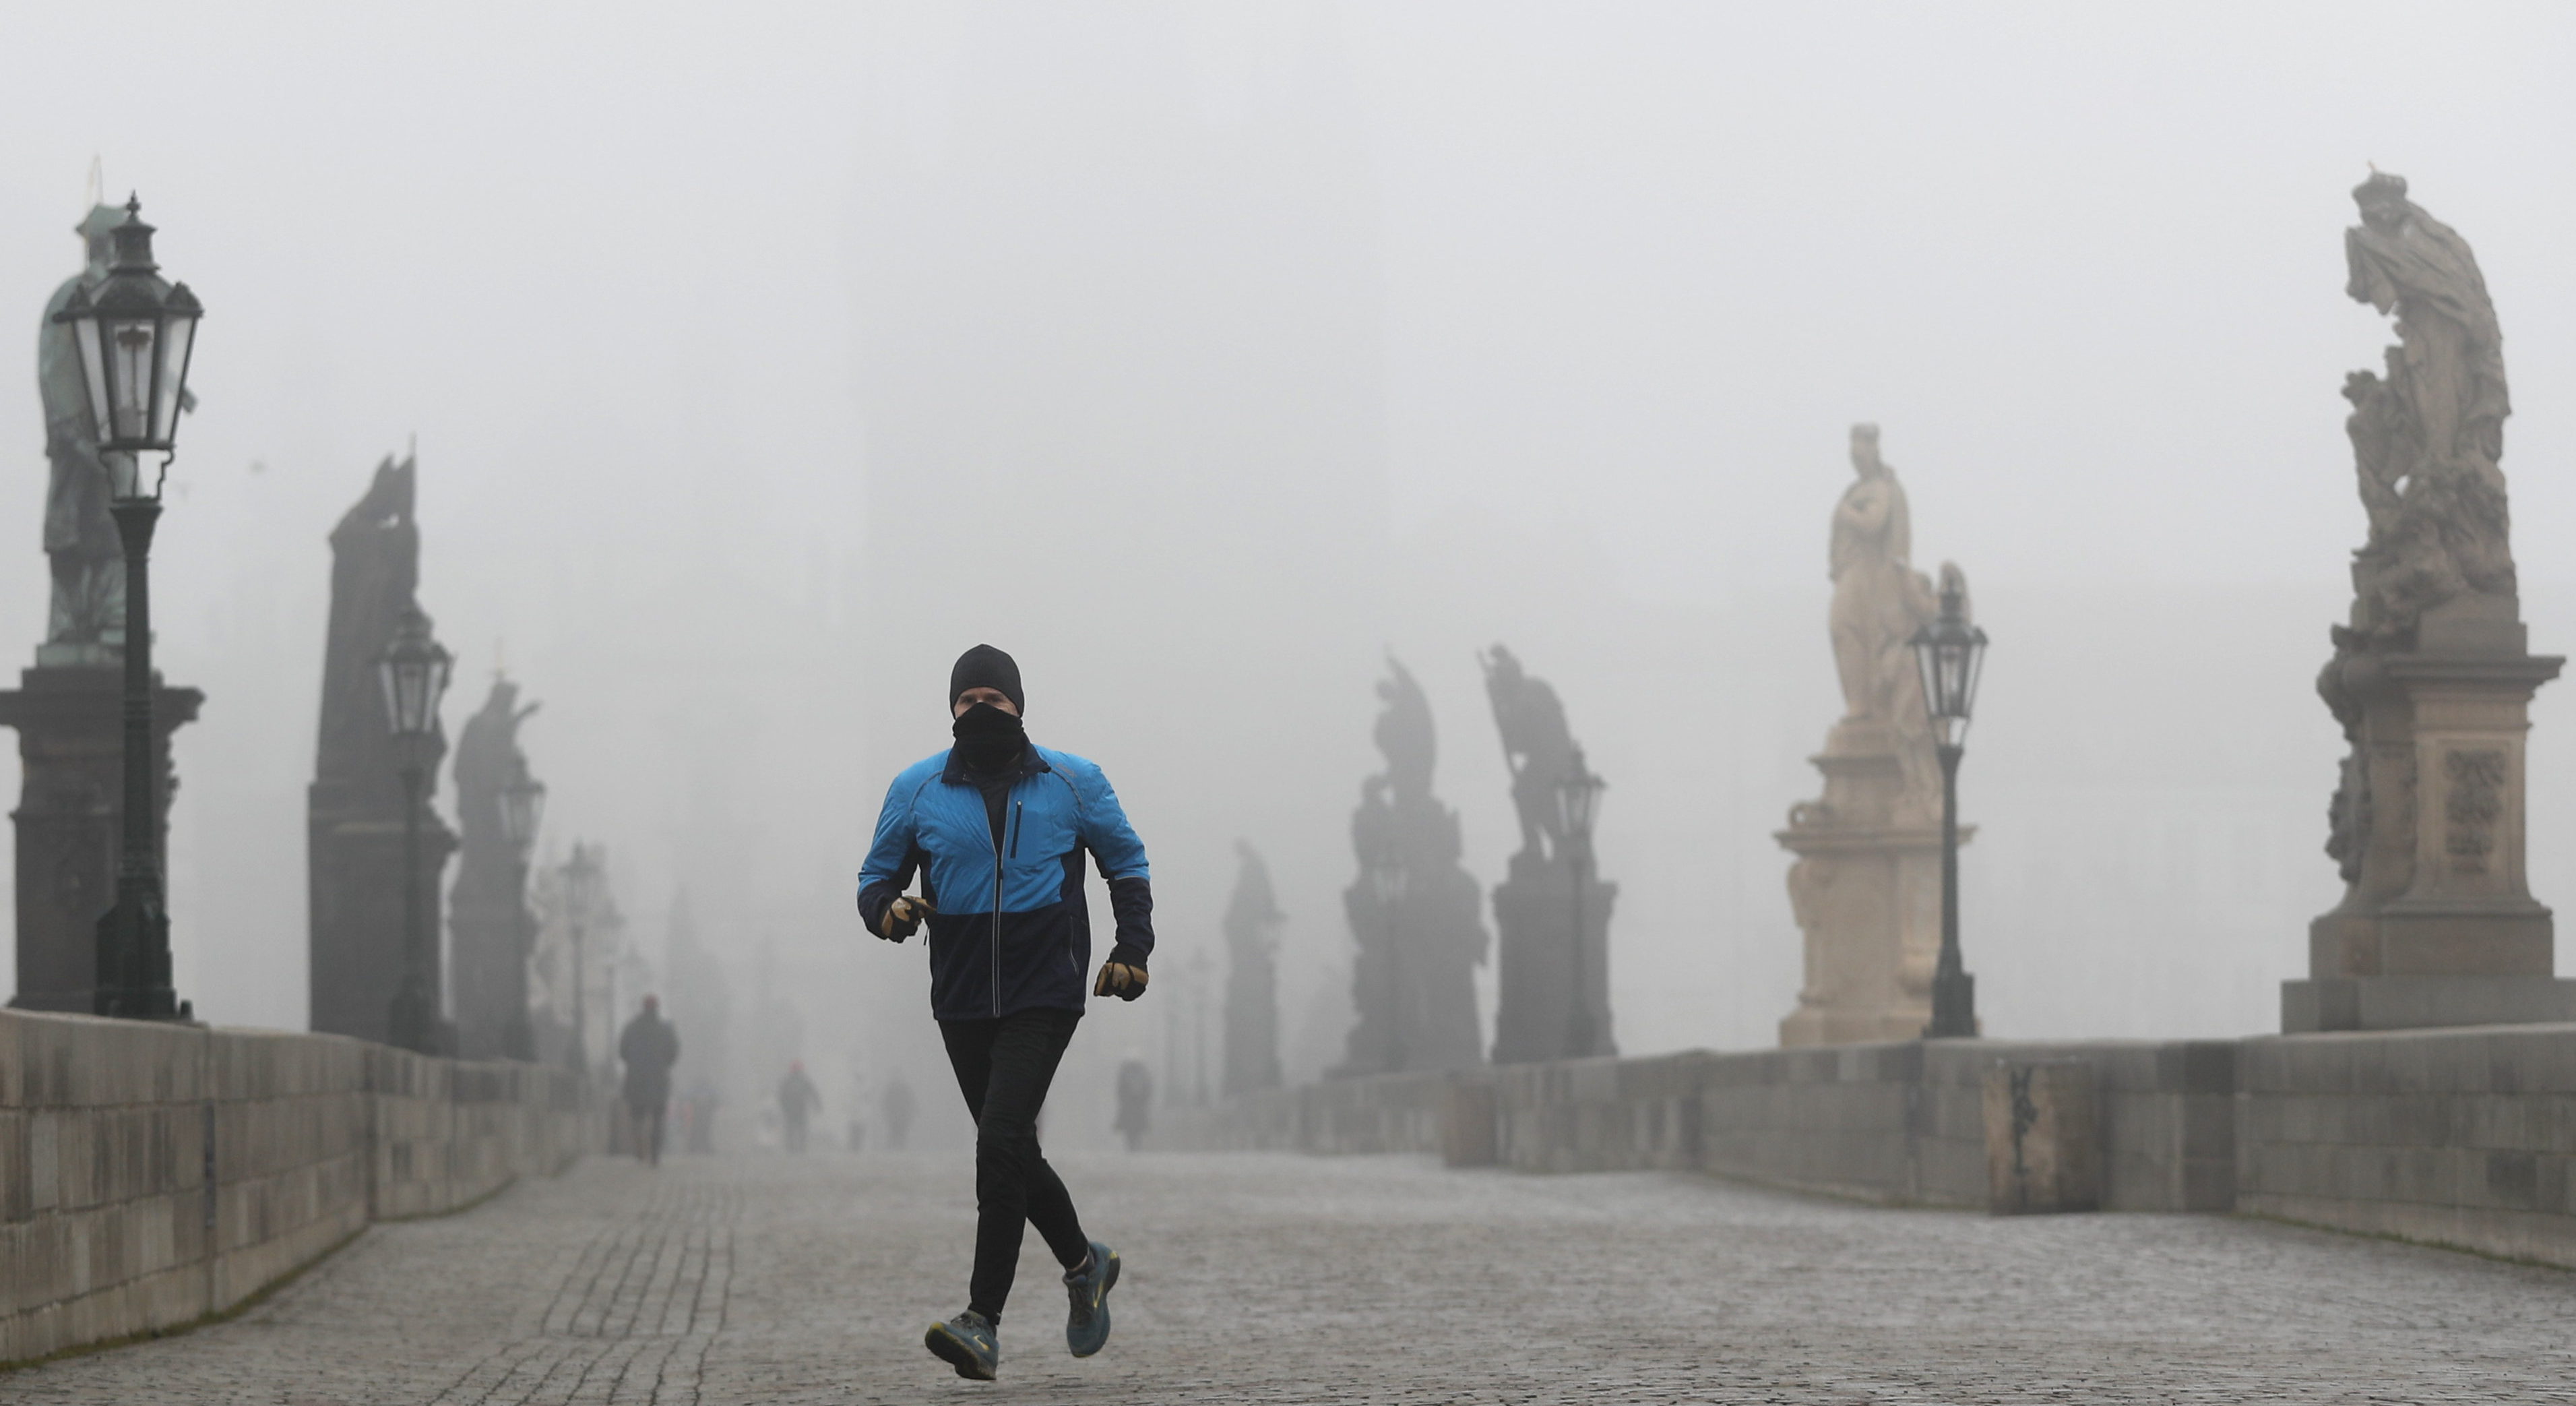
x=1004, y=1067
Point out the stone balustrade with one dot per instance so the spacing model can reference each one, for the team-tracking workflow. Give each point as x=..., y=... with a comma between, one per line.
x=2462, y=1137
x=153, y=1174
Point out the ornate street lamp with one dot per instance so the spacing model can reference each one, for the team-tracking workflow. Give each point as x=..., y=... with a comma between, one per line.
x=581, y=882
x=135, y=332
x=1578, y=804
x=414, y=669
x=1950, y=653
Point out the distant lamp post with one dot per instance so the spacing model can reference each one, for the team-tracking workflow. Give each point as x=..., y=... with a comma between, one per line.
x=414, y=669
x=1388, y=882
x=1578, y=804
x=135, y=332
x=523, y=804
x=1951, y=653
x=581, y=879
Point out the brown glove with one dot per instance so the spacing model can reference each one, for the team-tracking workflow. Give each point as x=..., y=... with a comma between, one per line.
x=903, y=918
x=1120, y=980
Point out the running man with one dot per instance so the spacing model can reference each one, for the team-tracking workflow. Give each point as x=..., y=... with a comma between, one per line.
x=997, y=827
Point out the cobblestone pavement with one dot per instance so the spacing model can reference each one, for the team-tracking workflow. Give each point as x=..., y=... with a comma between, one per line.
x=1288, y=1279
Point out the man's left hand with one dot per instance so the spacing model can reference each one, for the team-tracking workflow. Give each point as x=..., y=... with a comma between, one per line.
x=1120, y=980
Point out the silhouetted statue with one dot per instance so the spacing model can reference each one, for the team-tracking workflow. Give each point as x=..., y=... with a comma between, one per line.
x=355, y=808
x=1252, y=919
x=1552, y=912
x=1413, y=908
x=86, y=624
x=488, y=907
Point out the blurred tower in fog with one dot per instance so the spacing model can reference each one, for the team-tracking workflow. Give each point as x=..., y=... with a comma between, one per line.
x=1118, y=312
x=1252, y=920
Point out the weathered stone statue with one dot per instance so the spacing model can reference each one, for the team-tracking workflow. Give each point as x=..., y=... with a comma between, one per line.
x=488, y=917
x=1880, y=601
x=87, y=621
x=355, y=807
x=1866, y=887
x=1413, y=908
x=1252, y=919
x=2431, y=679
x=1552, y=911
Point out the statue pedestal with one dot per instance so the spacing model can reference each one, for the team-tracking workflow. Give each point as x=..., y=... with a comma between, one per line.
x=1867, y=893
x=1554, y=990
x=2439, y=927
x=71, y=745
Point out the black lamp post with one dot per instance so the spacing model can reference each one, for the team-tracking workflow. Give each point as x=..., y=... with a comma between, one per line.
x=1388, y=881
x=1578, y=804
x=414, y=669
x=1951, y=653
x=135, y=333
x=523, y=803
x=580, y=890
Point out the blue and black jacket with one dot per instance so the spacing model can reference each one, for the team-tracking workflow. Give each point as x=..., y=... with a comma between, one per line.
x=1012, y=931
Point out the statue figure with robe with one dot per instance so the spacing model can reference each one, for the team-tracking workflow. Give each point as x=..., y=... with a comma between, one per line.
x=1252, y=920
x=1879, y=602
x=491, y=928
x=1552, y=910
x=86, y=624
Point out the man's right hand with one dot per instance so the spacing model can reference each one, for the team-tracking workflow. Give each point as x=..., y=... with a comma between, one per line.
x=903, y=918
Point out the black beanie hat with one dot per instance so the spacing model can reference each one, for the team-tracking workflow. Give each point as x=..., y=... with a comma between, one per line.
x=986, y=667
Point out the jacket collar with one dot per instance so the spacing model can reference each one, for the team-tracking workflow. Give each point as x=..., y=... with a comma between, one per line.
x=953, y=772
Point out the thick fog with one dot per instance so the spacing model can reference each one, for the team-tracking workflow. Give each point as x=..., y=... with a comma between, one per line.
x=760, y=358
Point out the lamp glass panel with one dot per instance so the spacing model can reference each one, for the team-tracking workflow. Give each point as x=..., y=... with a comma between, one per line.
x=177, y=332
x=124, y=474
x=132, y=354
x=93, y=370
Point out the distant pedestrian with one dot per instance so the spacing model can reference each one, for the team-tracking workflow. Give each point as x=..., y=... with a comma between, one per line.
x=898, y=1112
x=650, y=1046
x=997, y=827
x=798, y=1099
x=1135, y=1101
x=698, y=1116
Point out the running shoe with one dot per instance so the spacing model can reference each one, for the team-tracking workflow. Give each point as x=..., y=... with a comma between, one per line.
x=1088, y=1328
x=968, y=1342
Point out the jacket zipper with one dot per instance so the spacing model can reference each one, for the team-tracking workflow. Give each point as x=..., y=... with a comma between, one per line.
x=993, y=968
x=1019, y=812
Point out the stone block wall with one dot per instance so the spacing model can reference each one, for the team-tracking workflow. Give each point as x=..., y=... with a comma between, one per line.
x=2463, y=1137
x=152, y=1174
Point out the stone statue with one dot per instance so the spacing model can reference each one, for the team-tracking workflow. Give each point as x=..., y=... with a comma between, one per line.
x=2432, y=675
x=2427, y=439
x=1536, y=745
x=488, y=907
x=87, y=622
x=1866, y=886
x=1413, y=909
x=355, y=810
x=1880, y=601
x=1252, y=920
x=1552, y=911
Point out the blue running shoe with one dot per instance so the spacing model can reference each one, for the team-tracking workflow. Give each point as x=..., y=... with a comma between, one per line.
x=968, y=1342
x=1088, y=1329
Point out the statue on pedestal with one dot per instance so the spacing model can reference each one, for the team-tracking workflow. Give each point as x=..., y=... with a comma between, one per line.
x=1866, y=887
x=1552, y=912
x=2432, y=677
x=355, y=809
x=1413, y=908
x=1252, y=920
x=69, y=709
x=492, y=929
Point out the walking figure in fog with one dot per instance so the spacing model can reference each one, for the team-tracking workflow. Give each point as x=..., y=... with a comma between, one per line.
x=649, y=1047
x=798, y=1100
x=1135, y=1101
x=898, y=1111
x=997, y=828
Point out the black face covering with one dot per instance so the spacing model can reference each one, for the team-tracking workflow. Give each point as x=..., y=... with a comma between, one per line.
x=988, y=739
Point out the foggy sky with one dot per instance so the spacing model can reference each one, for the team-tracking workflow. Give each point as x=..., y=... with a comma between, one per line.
x=749, y=351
